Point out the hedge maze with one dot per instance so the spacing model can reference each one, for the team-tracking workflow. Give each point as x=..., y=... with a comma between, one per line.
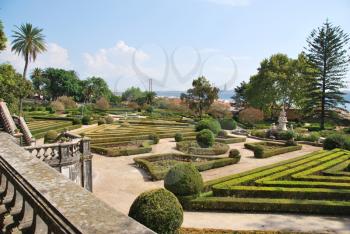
x=132, y=137
x=317, y=183
x=39, y=127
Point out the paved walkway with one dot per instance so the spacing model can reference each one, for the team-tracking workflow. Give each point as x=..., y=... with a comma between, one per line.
x=117, y=182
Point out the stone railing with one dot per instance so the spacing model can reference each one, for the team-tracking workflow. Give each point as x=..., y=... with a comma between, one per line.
x=28, y=138
x=73, y=158
x=35, y=198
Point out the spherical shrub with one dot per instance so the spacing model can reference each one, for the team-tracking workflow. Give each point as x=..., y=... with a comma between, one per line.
x=222, y=134
x=86, y=120
x=234, y=153
x=154, y=138
x=57, y=106
x=50, y=136
x=337, y=141
x=178, y=137
x=211, y=124
x=101, y=121
x=286, y=135
x=184, y=180
x=109, y=119
x=228, y=124
x=205, y=138
x=158, y=210
x=76, y=121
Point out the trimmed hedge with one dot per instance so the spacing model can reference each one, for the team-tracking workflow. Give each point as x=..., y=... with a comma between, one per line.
x=205, y=138
x=124, y=151
x=228, y=124
x=337, y=141
x=158, y=210
x=192, y=147
x=202, y=163
x=211, y=124
x=230, y=139
x=262, y=152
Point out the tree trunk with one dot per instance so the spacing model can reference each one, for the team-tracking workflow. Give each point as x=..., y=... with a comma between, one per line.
x=25, y=66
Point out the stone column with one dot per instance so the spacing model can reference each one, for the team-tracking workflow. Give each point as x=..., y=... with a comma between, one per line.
x=86, y=164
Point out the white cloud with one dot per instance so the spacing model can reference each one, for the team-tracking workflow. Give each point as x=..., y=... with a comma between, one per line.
x=113, y=63
x=55, y=56
x=232, y=3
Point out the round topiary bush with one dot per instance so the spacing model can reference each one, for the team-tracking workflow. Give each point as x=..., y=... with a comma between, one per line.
x=109, y=119
x=101, y=121
x=211, y=124
x=337, y=141
x=154, y=138
x=178, y=137
x=76, y=121
x=205, y=138
x=228, y=124
x=184, y=180
x=158, y=210
x=86, y=120
x=286, y=135
x=50, y=136
x=234, y=153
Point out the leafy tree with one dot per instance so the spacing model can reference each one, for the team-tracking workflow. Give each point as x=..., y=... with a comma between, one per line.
x=239, y=96
x=94, y=88
x=28, y=42
x=150, y=96
x=3, y=38
x=59, y=82
x=12, y=86
x=38, y=80
x=327, y=52
x=201, y=96
x=278, y=82
x=132, y=94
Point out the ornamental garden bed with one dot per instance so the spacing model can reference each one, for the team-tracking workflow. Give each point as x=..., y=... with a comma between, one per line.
x=122, y=149
x=298, y=185
x=159, y=164
x=268, y=149
x=40, y=127
x=192, y=147
x=230, y=139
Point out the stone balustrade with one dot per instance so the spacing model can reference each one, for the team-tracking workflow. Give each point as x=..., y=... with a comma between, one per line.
x=35, y=198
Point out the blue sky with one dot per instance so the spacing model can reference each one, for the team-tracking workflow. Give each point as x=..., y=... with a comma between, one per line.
x=172, y=42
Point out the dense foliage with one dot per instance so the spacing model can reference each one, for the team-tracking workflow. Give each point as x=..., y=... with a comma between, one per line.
x=178, y=137
x=337, y=141
x=201, y=96
x=211, y=124
x=3, y=38
x=158, y=210
x=250, y=116
x=228, y=124
x=184, y=180
x=205, y=138
x=50, y=136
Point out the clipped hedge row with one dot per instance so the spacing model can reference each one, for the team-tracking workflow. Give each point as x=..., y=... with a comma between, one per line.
x=230, y=139
x=269, y=205
x=261, y=152
x=61, y=129
x=208, y=163
x=115, y=152
x=191, y=147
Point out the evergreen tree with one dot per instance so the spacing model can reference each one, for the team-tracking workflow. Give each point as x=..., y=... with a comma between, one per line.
x=239, y=96
x=327, y=52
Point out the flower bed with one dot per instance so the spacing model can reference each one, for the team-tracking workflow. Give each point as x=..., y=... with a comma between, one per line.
x=192, y=147
x=268, y=149
x=158, y=165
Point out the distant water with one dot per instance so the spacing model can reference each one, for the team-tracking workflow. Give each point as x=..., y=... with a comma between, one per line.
x=226, y=95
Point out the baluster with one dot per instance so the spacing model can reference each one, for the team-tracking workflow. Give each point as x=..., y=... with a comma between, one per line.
x=16, y=213
x=27, y=225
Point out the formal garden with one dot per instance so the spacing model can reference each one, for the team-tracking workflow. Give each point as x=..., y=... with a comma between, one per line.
x=281, y=145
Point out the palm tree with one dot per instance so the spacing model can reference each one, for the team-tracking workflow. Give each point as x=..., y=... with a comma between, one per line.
x=28, y=42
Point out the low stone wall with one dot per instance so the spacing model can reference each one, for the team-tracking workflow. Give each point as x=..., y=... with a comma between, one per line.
x=35, y=198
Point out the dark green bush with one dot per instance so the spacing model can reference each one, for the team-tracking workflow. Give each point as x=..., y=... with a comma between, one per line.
x=228, y=124
x=154, y=138
x=86, y=120
x=222, y=134
x=178, y=137
x=234, y=153
x=286, y=135
x=101, y=121
x=346, y=130
x=184, y=180
x=337, y=141
x=205, y=138
x=211, y=124
x=50, y=136
x=158, y=210
x=76, y=121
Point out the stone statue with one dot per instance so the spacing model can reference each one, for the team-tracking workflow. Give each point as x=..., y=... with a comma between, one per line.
x=282, y=120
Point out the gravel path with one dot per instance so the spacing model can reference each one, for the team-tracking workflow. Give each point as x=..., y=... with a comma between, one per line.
x=118, y=182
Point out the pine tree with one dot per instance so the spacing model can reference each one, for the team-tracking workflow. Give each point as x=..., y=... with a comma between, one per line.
x=327, y=52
